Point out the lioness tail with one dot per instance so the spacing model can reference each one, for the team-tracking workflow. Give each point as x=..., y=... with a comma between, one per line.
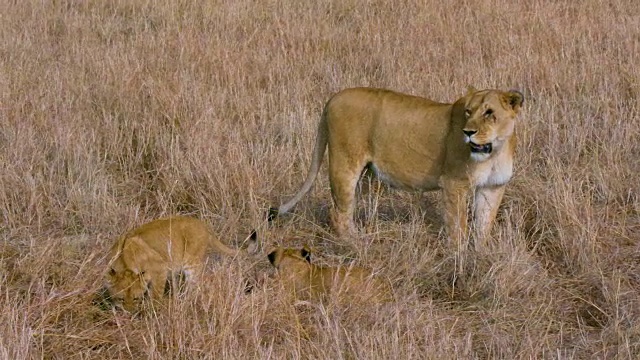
x=316, y=160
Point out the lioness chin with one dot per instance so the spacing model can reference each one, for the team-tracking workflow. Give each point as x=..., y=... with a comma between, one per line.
x=147, y=261
x=463, y=148
x=319, y=283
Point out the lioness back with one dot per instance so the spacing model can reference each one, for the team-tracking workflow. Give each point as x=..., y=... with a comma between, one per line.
x=176, y=239
x=374, y=126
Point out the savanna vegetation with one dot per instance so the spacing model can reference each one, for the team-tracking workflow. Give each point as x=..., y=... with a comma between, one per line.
x=114, y=113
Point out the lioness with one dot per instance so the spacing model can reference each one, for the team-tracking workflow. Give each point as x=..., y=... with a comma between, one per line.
x=147, y=259
x=413, y=143
x=309, y=281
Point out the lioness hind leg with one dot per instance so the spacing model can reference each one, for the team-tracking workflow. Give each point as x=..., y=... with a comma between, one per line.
x=178, y=282
x=344, y=177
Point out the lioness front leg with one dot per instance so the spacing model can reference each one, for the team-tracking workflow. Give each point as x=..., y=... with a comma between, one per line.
x=156, y=286
x=454, y=194
x=487, y=201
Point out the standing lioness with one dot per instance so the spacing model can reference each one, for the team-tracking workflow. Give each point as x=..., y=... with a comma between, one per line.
x=413, y=143
x=148, y=258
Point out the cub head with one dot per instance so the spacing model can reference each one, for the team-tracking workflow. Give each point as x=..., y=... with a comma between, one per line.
x=490, y=120
x=130, y=273
x=290, y=260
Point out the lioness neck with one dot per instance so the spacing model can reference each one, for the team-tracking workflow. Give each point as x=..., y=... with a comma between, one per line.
x=496, y=171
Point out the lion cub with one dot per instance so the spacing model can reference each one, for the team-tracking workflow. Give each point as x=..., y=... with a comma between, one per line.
x=147, y=261
x=297, y=273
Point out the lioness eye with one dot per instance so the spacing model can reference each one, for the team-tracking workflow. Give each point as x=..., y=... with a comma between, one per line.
x=112, y=272
x=488, y=112
x=467, y=112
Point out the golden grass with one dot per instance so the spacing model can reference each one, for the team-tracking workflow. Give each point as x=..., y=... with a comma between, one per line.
x=117, y=112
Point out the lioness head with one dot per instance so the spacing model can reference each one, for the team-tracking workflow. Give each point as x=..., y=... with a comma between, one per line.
x=490, y=119
x=130, y=273
x=128, y=289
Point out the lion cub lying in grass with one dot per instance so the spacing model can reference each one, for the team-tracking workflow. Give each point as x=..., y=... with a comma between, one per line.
x=148, y=261
x=297, y=273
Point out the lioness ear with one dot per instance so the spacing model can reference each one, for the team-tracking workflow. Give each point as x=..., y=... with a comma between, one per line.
x=471, y=90
x=306, y=254
x=514, y=99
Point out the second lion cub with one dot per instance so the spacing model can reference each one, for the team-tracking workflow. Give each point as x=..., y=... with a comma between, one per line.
x=145, y=261
x=307, y=280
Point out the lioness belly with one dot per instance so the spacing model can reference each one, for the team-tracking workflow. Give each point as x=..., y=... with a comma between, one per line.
x=407, y=180
x=409, y=157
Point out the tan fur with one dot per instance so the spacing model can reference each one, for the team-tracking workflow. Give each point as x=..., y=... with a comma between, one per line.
x=309, y=281
x=418, y=144
x=146, y=258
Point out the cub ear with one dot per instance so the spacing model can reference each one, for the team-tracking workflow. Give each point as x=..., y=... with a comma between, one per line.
x=471, y=89
x=514, y=99
x=272, y=257
x=306, y=254
x=251, y=244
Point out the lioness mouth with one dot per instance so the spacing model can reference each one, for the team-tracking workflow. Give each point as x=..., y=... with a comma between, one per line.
x=484, y=148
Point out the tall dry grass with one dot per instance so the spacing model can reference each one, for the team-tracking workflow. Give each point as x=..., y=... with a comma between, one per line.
x=117, y=112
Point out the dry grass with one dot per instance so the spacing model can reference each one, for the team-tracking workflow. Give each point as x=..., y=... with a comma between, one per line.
x=117, y=112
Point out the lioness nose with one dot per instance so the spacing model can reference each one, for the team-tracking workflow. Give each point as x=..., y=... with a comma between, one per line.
x=469, y=132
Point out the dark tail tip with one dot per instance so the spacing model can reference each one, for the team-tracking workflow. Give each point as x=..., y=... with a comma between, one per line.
x=273, y=213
